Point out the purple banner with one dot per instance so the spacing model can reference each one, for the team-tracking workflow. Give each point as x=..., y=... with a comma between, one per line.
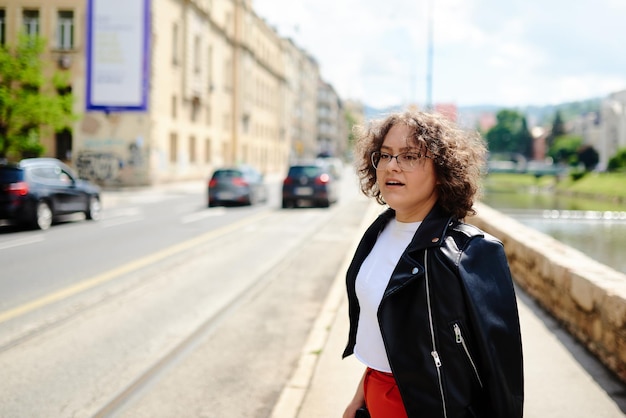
x=118, y=55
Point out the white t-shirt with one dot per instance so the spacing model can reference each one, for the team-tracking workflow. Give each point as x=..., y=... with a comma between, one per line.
x=371, y=282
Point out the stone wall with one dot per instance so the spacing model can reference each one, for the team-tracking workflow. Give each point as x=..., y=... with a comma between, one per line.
x=587, y=297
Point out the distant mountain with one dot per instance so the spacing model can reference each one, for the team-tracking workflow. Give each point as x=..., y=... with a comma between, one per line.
x=544, y=115
x=536, y=115
x=376, y=113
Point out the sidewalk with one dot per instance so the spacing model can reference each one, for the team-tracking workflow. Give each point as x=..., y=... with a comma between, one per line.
x=561, y=378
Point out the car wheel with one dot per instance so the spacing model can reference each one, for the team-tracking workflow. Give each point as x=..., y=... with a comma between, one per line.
x=287, y=204
x=324, y=203
x=94, y=211
x=43, y=216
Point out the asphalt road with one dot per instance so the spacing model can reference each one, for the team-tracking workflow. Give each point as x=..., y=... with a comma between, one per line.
x=165, y=308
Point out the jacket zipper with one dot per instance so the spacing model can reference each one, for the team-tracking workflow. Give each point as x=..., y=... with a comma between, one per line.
x=461, y=340
x=434, y=353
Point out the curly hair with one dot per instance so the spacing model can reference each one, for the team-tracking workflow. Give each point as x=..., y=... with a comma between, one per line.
x=458, y=157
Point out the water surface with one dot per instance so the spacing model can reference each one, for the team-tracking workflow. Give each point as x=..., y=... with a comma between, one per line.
x=597, y=228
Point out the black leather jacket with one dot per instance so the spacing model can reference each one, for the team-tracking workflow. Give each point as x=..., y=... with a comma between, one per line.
x=449, y=321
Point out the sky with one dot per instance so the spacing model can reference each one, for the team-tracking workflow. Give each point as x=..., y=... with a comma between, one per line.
x=484, y=52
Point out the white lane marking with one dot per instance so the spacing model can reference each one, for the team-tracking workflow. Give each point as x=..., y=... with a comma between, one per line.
x=193, y=217
x=121, y=216
x=117, y=212
x=134, y=265
x=21, y=241
x=120, y=221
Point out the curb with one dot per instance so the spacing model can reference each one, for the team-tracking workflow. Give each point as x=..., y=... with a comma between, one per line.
x=293, y=394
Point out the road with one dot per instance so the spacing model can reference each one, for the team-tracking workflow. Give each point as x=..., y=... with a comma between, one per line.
x=165, y=308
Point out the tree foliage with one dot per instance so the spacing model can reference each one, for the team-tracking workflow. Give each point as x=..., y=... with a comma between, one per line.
x=618, y=161
x=565, y=149
x=558, y=128
x=510, y=134
x=350, y=122
x=28, y=102
x=588, y=156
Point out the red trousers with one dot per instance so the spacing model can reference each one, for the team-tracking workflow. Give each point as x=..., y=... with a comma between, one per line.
x=382, y=396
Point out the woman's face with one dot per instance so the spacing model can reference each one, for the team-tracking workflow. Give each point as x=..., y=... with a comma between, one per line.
x=410, y=193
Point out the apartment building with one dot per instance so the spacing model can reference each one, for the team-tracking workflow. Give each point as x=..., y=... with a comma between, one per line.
x=612, y=126
x=303, y=75
x=332, y=135
x=220, y=87
x=605, y=130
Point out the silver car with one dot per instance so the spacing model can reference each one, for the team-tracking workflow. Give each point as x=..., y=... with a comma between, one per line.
x=241, y=185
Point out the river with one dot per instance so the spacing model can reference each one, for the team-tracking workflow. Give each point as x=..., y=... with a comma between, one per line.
x=594, y=227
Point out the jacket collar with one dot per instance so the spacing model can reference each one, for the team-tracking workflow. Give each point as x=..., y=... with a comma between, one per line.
x=432, y=230
x=430, y=233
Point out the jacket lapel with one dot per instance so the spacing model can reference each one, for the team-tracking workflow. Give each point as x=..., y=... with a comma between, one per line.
x=431, y=233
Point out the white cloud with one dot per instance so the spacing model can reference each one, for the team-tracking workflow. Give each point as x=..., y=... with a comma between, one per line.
x=485, y=51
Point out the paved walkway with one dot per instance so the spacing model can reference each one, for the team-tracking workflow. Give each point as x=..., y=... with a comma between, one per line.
x=561, y=378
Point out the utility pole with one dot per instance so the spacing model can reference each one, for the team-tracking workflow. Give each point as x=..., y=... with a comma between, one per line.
x=429, y=59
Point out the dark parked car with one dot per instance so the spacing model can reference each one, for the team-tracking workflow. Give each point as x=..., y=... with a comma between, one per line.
x=236, y=185
x=309, y=184
x=36, y=190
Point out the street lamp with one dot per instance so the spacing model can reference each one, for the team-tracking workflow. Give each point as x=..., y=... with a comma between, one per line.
x=429, y=59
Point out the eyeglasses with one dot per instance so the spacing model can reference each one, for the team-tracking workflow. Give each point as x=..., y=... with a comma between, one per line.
x=407, y=161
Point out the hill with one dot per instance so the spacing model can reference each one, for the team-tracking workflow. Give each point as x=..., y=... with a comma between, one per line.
x=536, y=115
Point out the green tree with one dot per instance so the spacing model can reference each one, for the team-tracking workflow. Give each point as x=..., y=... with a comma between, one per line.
x=524, y=140
x=564, y=149
x=588, y=156
x=510, y=134
x=558, y=128
x=350, y=122
x=618, y=161
x=29, y=104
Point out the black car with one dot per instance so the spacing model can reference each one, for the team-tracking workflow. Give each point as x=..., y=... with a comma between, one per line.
x=309, y=184
x=35, y=191
x=236, y=186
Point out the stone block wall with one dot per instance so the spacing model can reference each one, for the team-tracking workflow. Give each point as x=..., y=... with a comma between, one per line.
x=587, y=297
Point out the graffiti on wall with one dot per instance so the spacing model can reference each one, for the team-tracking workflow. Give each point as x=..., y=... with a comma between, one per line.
x=112, y=168
x=101, y=167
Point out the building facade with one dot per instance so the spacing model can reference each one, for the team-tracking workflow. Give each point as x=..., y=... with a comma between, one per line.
x=612, y=126
x=332, y=135
x=605, y=130
x=223, y=88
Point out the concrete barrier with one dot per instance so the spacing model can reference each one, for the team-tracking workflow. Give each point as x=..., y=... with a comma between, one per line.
x=587, y=297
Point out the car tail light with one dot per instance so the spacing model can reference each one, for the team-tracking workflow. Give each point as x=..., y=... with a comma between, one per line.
x=322, y=179
x=288, y=181
x=18, y=189
x=212, y=182
x=238, y=181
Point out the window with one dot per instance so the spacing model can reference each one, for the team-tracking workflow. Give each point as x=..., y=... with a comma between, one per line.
x=65, y=30
x=210, y=68
x=207, y=151
x=195, y=109
x=228, y=73
x=192, y=149
x=174, y=107
x=196, y=54
x=173, y=148
x=63, y=147
x=175, y=44
x=2, y=27
x=30, y=19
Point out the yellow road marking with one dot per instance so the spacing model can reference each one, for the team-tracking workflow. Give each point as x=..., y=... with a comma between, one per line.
x=123, y=269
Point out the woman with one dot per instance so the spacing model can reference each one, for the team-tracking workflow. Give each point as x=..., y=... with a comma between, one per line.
x=433, y=314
